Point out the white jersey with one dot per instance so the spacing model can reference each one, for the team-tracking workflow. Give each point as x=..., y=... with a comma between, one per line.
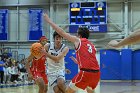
x=52, y=66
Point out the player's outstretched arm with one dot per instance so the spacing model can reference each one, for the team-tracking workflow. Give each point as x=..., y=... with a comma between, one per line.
x=29, y=59
x=60, y=30
x=74, y=59
x=131, y=39
x=59, y=56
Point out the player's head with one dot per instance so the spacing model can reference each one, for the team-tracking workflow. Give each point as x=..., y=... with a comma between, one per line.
x=57, y=38
x=83, y=32
x=37, y=50
x=43, y=40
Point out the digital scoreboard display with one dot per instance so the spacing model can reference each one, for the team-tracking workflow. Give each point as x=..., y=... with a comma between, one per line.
x=90, y=14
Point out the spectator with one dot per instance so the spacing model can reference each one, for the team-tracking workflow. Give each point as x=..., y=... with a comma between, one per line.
x=14, y=72
x=2, y=64
x=22, y=70
x=7, y=74
x=0, y=51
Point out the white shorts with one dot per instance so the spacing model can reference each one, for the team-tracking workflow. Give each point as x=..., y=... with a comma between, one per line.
x=52, y=77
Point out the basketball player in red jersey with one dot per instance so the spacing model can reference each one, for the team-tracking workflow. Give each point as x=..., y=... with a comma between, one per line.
x=38, y=68
x=89, y=74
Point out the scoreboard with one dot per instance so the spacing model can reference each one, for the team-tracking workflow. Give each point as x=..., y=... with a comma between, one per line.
x=93, y=15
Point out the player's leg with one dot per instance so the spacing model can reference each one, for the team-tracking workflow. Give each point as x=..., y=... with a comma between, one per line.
x=61, y=84
x=95, y=77
x=2, y=76
x=46, y=88
x=41, y=84
x=52, y=78
x=77, y=82
x=61, y=80
x=45, y=78
x=54, y=85
x=90, y=90
x=56, y=89
x=70, y=90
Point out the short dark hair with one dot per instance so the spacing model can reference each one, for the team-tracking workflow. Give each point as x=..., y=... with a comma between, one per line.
x=83, y=32
x=43, y=38
x=55, y=34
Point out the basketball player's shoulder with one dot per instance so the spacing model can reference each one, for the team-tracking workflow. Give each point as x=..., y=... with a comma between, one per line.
x=64, y=48
x=84, y=40
x=42, y=58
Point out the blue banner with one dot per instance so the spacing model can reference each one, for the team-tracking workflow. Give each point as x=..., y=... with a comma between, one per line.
x=92, y=28
x=35, y=24
x=3, y=24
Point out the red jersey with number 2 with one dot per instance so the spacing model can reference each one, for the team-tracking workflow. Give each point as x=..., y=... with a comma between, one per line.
x=86, y=55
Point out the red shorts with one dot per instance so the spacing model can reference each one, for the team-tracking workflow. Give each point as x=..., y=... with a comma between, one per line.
x=37, y=75
x=86, y=79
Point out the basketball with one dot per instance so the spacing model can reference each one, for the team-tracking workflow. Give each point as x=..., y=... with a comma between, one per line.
x=36, y=50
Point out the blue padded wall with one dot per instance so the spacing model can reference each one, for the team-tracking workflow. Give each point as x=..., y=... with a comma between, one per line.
x=126, y=64
x=110, y=61
x=136, y=65
x=73, y=67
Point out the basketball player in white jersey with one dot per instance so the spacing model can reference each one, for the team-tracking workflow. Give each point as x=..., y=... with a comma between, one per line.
x=55, y=63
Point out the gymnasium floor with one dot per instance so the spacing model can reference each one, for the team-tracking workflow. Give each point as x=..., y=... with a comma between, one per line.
x=32, y=89
x=104, y=87
x=120, y=87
